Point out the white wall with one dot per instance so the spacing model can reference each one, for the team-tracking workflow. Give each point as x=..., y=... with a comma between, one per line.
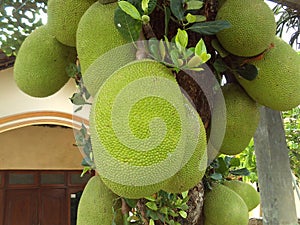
x=19, y=109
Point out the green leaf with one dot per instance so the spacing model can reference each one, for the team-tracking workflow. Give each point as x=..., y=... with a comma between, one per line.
x=194, y=5
x=145, y=5
x=235, y=162
x=205, y=57
x=195, y=61
x=85, y=170
x=150, y=198
x=152, y=206
x=220, y=66
x=200, y=48
x=177, y=9
x=247, y=71
x=240, y=172
x=130, y=9
x=191, y=18
x=167, y=18
x=181, y=39
x=216, y=176
x=128, y=27
x=184, y=194
x=210, y=27
x=222, y=166
x=85, y=162
x=151, y=222
x=164, y=210
x=183, y=214
x=77, y=99
x=173, y=213
x=184, y=207
x=162, y=50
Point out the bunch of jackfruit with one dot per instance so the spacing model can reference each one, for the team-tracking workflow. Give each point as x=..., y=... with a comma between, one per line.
x=146, y=136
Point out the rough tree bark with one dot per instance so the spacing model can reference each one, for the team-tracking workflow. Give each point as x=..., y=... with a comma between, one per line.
x=274, y=173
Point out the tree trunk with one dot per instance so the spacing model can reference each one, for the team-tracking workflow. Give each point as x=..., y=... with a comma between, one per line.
x=274, y=173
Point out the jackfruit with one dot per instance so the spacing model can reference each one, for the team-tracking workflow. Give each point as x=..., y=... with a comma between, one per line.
x=246, y=191
x=224, y=206
x=277, y=84
x=138, y=128
x=63, y=18
x=206, y=222
x=242, y=118
x=96, y=33
x=106, y=65
x=97, y=203
x=252, y=28
x=40, y=67
x=196, y=156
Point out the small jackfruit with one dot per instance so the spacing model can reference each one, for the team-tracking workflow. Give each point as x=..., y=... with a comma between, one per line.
x=96, y=33
x=40, y=67
x=277, y=84
x=251, y=32
x=63, y=18
x=246, y=191
x=242, y=118
x=224, y=206
x=97, y=203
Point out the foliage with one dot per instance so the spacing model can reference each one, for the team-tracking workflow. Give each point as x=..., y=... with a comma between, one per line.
x=288, y=20
x=18, y=20
x=163, y=207
x=292, y=130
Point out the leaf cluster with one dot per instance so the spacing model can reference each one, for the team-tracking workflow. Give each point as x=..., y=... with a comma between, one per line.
x=289, y=20
x=18, y=19
x=225, y=167
x=161, y=208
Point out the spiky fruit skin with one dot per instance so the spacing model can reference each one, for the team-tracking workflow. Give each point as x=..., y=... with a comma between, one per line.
x=96, y=204
x=96, y=34
x=105, y=65
x=40, y=67
x=252, y=28
x=134, y=150
x=242, y=118
x=246, y=191
x=193, y=171
x=223, y=206
x=63, y=18
x=277, y=84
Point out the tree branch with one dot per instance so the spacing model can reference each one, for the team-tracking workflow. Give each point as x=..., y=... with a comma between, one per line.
x=293, y=4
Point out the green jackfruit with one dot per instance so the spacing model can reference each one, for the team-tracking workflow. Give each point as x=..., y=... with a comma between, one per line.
x=246, y=191
x=223, y=206
x=252, y=28
x=242, y=118
x=138, y=128
x=195, y=151
x=96, y=33
x=40, y=67
x=63, y=18
x=106, y=65
x=97, y=203
x=277, y=84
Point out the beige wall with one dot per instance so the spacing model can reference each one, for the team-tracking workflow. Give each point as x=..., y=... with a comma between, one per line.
x=39, y=147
